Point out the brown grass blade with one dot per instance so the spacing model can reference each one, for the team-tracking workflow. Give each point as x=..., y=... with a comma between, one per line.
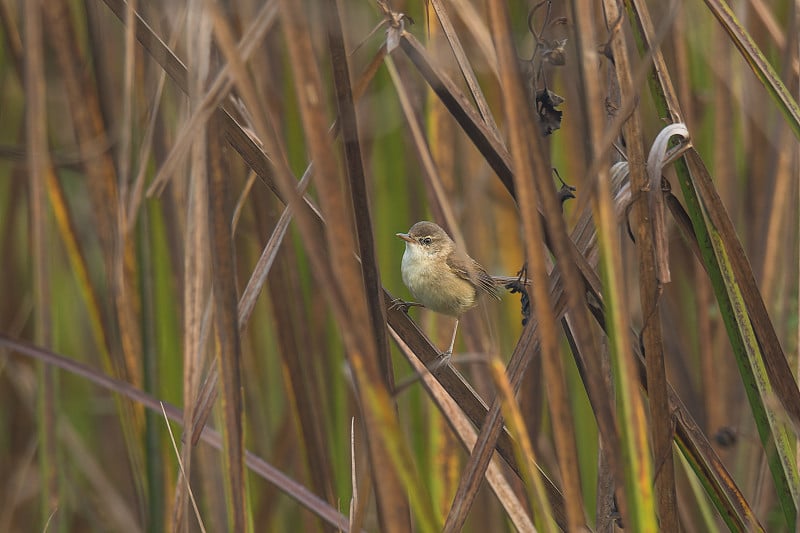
x=227, y=329
x=38, y=164
x=208, y=393
x=651, y=246
x=778, y=237
x=464, y=65
x=126, y=120
x=360, y=484
x=306, y=400
x=196, y=264
x=307, y=216
x=475, y=22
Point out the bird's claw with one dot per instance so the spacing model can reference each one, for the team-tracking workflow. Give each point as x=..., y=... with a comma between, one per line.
x=440, y=362
x=399, y=304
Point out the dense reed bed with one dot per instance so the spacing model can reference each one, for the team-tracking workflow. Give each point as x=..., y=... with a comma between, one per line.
x=198, y=209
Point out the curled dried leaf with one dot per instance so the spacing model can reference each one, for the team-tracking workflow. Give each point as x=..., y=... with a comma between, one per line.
x=656, y=206
x=546, y=103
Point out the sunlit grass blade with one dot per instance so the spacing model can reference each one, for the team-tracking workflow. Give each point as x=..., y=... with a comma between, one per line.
x=542, y=514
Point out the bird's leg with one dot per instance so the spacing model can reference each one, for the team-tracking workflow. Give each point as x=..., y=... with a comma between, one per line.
x=449, y=351
x=402, y=305
x=433, y=366
x=444, y=357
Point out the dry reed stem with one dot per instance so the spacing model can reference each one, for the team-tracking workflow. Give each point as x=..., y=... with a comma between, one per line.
x=651, y=246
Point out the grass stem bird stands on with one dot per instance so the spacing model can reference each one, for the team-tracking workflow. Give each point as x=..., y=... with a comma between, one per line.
x=441, y=276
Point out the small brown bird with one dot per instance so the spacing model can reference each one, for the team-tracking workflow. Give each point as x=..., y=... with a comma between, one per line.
x=442, y=277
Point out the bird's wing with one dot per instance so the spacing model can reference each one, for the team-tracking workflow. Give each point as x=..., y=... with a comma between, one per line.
x=487, y=283
x=479, y=278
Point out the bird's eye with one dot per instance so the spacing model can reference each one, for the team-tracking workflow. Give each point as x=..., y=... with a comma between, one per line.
x=425, y=240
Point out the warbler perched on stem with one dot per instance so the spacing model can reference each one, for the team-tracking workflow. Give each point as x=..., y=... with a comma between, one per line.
x=441, y=276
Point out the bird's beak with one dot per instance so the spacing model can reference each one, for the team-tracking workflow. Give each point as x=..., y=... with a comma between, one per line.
x=405, y=237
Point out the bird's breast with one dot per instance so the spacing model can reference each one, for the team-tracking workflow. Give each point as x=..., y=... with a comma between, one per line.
x=435, y=285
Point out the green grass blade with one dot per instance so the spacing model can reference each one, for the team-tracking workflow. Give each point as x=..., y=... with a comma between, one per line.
x=746, y=348
x=758, y=63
